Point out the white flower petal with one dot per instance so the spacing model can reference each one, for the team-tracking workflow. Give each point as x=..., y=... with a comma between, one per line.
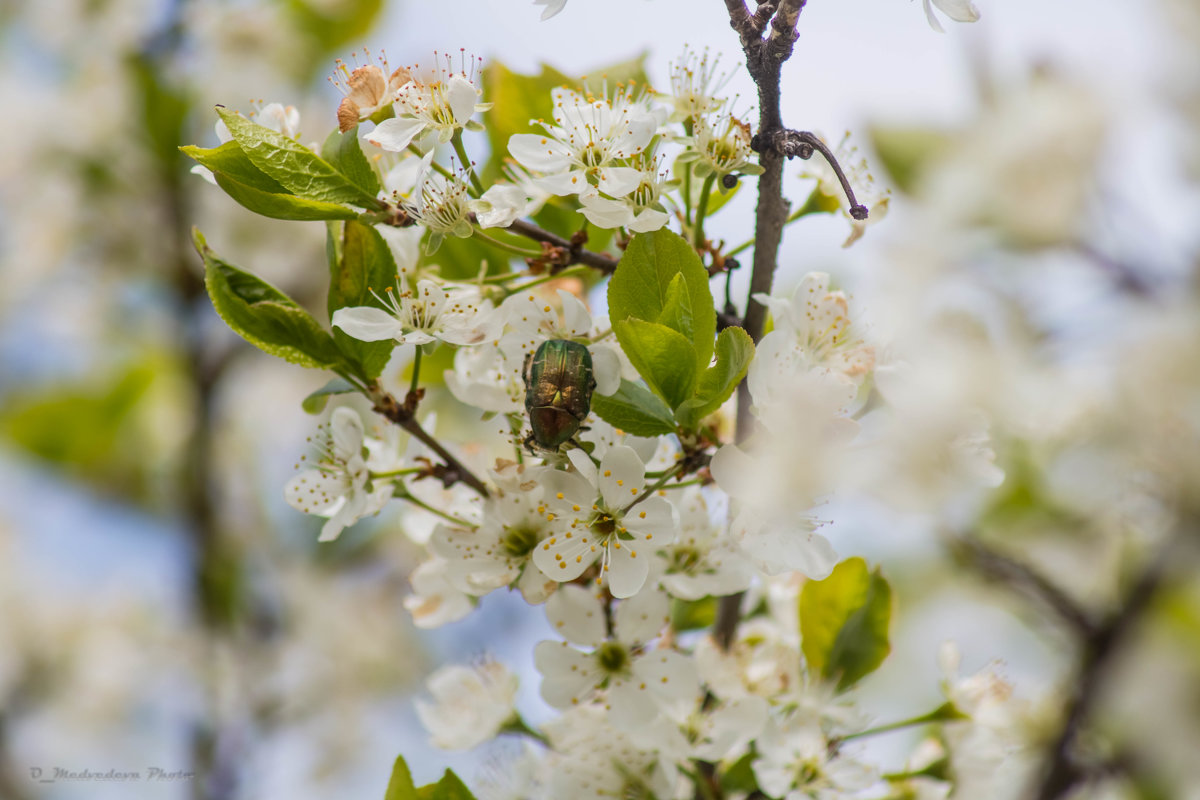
x=461, y=95
x=627, y=568
x=622, y=476
x=606, y=369
x=540, y=153
x=395, y=134
x=368, y=324
x=568, y=675
x=642, y=617
x=577, y=615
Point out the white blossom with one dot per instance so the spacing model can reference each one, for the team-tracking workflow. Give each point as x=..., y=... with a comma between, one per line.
x=637, y=680
x=702, y=560
x=470, y=704
x=434, y=601
x=453, y=314
x=441, y=101
x=594, y=521
x=795, y=763
x=813, y=333
x=338, y=484
x=590, y=144
x=499, y=552
x=639, y=211
x=694, y=85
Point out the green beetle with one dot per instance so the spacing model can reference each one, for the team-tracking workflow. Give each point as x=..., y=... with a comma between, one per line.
x=558, y=392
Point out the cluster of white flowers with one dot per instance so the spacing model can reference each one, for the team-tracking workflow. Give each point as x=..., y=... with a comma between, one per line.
x=617, y=535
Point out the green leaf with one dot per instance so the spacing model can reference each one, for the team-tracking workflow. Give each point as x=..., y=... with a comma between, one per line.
x=844, y=623
x=451, y=787
x=735, y=351
x=662, y=356
x=400, y=786
x=344, y=152
x=263, y=315
x=366, y=264
x=640, y=288
x=634, y=409
x=281, y=206
x=693, y=615
x=298, y=169
x=103, y=429
x=677, y=307
x=316, y=401
x=740, y=776
x=231, y=160
x=907, y=153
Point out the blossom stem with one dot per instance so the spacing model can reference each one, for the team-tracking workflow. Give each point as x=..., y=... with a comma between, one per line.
x=687, y=195
x=397, y=473
x=440, y=169
x=516, y=725
x=404, y=494
x=566, y=273
x=467, y=164
x=416, y=368
x=943, y=713
x=702, y=211
x=670, y=473
x=505, y=246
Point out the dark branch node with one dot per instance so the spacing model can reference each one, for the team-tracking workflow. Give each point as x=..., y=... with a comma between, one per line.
x=802, y=144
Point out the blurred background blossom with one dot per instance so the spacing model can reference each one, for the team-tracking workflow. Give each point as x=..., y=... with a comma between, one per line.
x=1031, y=298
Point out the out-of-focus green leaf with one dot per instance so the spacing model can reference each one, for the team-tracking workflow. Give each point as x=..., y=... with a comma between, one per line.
x=400, y=786
x=332, y=26
x=89, y=429
x=907, y=153
x=693, y=615
x=164, y=110
x=450, y=787
x=844, y=623
x=263, y=315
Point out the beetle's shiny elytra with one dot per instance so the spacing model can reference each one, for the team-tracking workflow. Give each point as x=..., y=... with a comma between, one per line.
x=558, y=391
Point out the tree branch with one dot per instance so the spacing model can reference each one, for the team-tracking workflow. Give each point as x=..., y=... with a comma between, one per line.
x=1022, y=578
x=764, y=61
x=404, y=415
x=1062, y=771
x=573, y=247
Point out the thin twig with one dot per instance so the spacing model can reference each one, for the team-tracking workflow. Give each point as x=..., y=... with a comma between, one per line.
x=404, y=415
x=1024, y=579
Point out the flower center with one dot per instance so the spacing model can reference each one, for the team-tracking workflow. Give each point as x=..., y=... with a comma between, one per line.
x=519, y=542
x=612, y=657
x=684, y=559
